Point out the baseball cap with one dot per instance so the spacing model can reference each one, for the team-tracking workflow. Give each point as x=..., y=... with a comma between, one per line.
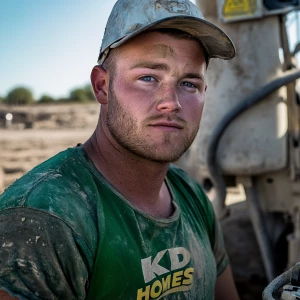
x=129, y=18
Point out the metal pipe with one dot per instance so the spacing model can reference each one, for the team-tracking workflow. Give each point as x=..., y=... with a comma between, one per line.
x=260, y=230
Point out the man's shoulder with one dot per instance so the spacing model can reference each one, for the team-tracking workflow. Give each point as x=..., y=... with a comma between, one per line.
x=17, y=194
x=53, y=186
x=56, y=189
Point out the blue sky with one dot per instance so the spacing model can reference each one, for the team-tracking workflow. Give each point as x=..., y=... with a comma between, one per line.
x=50, y=46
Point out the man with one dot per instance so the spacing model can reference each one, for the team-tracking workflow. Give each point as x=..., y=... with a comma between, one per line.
x=112, y=219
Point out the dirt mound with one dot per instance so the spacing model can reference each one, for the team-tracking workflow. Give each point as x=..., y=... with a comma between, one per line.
x=59, y=116
x=38, y=132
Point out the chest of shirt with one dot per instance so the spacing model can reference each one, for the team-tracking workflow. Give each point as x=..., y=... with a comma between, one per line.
x=142, y=258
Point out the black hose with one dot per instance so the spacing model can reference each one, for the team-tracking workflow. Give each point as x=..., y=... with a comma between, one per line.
x=216, y=175
x=247, y=103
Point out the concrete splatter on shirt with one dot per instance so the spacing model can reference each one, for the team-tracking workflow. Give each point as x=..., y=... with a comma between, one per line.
x=66, y=233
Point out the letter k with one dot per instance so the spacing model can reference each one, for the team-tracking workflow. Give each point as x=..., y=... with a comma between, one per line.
x=150, y=269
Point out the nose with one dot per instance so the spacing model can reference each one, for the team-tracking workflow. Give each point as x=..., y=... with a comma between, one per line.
x=169, y=101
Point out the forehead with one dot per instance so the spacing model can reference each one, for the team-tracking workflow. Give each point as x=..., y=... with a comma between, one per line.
x=161, y=45
x=161, y=49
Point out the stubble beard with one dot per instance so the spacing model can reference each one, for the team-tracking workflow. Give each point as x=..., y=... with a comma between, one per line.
x=125, y=130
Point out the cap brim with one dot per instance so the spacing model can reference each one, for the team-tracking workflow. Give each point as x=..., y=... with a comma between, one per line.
x=216, y=41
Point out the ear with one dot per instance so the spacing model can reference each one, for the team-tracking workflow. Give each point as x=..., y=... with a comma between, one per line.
x=99, y=80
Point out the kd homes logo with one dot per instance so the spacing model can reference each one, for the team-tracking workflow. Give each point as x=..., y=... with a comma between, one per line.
x=170, y=281
x=173, y=6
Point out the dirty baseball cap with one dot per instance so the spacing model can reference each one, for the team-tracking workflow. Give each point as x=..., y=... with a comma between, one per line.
x=129, y=18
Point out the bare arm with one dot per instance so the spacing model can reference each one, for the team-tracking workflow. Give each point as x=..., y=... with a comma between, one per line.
x=225, y=288
x=5, y=296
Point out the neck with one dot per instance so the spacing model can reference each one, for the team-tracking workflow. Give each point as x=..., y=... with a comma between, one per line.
x=139, y=180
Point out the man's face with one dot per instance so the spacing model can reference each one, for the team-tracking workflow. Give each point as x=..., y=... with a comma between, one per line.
x=156, y=96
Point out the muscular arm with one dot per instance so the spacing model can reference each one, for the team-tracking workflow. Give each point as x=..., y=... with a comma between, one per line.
x=225, y=288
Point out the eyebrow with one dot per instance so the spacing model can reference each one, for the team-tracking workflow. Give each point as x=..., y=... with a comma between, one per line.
x=194, y=75
x=150, y=65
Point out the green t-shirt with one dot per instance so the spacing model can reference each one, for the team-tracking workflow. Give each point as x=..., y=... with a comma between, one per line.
x=66, y=233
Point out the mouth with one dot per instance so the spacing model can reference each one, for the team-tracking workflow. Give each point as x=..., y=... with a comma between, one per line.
x=168, y=125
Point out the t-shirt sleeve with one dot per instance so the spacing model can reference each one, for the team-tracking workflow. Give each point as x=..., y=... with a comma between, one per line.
x=41, y=257
x=219, y=251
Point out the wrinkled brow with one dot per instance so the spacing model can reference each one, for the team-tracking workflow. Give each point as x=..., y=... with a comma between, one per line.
x=151, y=65
x=159, y=50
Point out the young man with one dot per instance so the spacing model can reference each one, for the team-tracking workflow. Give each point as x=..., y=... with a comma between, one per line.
x=112, y=219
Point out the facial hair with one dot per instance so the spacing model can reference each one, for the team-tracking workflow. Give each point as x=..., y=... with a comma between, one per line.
x=131, y=135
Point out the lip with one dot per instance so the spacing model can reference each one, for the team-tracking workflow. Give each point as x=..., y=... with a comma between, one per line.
x=167, y=124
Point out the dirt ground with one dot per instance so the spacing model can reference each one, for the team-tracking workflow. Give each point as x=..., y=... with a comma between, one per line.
x=51, y=130
x=39, y=132
x=22, y=150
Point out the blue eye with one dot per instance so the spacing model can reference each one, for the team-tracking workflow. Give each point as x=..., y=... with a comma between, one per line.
x=147, y=78
x=188, y=84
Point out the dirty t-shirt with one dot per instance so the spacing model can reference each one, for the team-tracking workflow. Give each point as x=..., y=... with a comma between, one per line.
x=66, y=233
